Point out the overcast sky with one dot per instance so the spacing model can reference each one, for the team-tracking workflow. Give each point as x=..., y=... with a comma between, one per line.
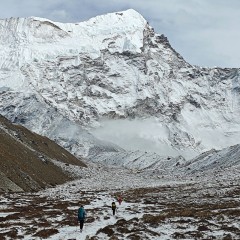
x=204, y=32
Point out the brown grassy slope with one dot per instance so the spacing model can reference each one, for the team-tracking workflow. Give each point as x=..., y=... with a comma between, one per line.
x=24, y=158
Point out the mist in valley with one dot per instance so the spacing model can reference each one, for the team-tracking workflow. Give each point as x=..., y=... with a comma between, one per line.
x=139, y=134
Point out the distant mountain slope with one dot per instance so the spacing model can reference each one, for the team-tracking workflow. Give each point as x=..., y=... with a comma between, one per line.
x=215, y=160
x=26, y=159
x=113, y=67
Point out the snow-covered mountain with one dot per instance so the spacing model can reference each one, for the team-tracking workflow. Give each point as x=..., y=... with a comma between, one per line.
x=115, y=76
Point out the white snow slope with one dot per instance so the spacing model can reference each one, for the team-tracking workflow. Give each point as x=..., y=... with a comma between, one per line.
x=114, y=67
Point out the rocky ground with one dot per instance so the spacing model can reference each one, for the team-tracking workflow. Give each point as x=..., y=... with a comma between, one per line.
x=168, y=207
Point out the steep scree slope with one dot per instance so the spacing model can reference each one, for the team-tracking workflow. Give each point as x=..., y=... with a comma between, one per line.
x=26, y=159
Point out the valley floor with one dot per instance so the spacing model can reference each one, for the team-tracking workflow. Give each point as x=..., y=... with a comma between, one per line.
x=154, y=206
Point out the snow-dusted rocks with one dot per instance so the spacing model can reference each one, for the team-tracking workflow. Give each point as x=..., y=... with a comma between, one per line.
x=204, y=207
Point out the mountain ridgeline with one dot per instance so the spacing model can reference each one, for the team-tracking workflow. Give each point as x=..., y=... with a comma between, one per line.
x=62, y=80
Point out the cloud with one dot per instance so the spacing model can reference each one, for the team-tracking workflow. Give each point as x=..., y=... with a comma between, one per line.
x=204, y=32
x=146, y=135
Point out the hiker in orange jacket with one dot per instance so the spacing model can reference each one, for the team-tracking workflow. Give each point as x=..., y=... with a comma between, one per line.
x=120, y=200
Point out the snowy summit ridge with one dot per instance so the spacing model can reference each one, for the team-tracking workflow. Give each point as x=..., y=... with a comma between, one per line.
x=71, y=76
x=26, y=39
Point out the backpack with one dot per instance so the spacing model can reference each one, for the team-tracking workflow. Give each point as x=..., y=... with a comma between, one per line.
x=113, y=205
x=81, y=213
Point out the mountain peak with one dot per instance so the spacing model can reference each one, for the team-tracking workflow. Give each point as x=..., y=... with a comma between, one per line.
x=36, y=38
x=114, y=66
x=127, y=15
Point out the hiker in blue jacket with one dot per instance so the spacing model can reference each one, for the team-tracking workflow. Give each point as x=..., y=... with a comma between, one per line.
x=81, y=217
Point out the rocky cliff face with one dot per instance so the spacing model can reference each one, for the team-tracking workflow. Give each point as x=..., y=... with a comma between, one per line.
x=56, y=76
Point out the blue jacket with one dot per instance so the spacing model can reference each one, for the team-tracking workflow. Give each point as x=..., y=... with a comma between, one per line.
x=81, y=214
